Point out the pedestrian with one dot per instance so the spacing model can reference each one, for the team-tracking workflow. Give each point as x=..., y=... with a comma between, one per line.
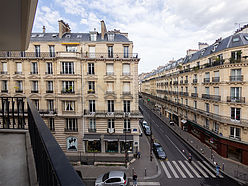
x=217, y=169
x=138, y=155
x=190, y=158
x=135, y=177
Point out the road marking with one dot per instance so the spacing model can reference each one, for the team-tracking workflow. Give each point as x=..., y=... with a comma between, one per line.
x=186, y=170
x=210, y=167
x=172, y=169
x=179, y=169
x=194, y=171
x=165, y=170
x=203, y=173
x=146, y=183
x=208, y=171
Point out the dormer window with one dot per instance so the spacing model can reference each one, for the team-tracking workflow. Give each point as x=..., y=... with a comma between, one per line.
x=236, y=39
x=215, y=46
x=202, y=52
x=67, y=36
x=111, y=36
x=41, y=35
x=33, y=35
x=54, y=35
x=79, y=36
x=93, y=36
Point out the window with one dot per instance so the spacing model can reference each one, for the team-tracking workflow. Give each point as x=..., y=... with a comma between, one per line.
x=236, y=75
x=216, y=109
x=181, y=100
x=126, y=51
x=207, y=77
x=4, y=86
x=126, y=88
x=36, y=103
x=91, y=68
x=67, y=68
x=235, y=132
x=127, y=126
x=126, y=105
x=49, y=68
x=93, y=36
x=19, y=87
x=51, y=124
x=67, y=86
x=216, y=127
x=195, y=76
x=126, y=69
x=186, y=89
x=92, y=107
x=52, y=50
x=235, y=94
x=110, y=51
x=235, y=114
x=186, y=102
x=4, y=68
x=34, y=68
x=216, y=74
x=110, y=105
x=37, y=50
x=111, y=36
x=110, y=68
x=91, y=87
x=18, y=68
x=71, y=124
x=236, y=55
x=207, y=107
x=50, y=105
x=34, y=87
x=195, y=90
x=195, y=104
x=110, y=87
x=207, y=90
x=207, y=123
x=181, y=89
x=216, y=91
x=71, y=48
x=49, y=86
x=92, y=125
x=69, y=105
x=92, y=52
x=195, y=118
x=111, y=123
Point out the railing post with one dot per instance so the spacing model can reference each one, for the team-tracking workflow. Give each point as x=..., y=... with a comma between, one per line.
x=13, y=112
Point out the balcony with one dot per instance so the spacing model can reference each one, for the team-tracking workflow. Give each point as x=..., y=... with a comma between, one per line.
x=91, y=91
x=126, y=130
x=186, y=81
x=211, y=97
x=232, y=99
x=19, y=91
x=126, y=73
x=67, y=92
x=194, y=95
x=68, y=54
x=4, y=72
x=126, y=93
x=181, y=82
x=47, y=73
x=175, y=83
x=109, y=56
x=18, y=72
x=235, y=137
x=110, y=92
x=4, y=91
x=116, y=114
x=215, y=79
x=36, y=152
x=109, y=73
x=49, y=91
x=20, y=55
x=71, y=130
x=48, y=111
x=36, y=72
x=206, y=80
x=194, y=81
x=67, y=73
x=34, y=91
x=236, y=78
x=92, y=130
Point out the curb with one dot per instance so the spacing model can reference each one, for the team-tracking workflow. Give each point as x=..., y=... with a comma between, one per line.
x=197, y=152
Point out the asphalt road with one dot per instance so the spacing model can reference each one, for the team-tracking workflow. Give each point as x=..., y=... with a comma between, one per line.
x=176, y=170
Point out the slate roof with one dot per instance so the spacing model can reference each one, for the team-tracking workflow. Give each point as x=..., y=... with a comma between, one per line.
x=74, y=37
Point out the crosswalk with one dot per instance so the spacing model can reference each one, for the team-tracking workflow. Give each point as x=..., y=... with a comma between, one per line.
x=184, y=169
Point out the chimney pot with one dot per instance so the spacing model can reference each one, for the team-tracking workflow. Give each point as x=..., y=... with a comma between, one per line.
x=44, y=29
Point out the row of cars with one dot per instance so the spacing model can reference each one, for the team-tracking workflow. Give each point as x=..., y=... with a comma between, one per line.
x=156, y=147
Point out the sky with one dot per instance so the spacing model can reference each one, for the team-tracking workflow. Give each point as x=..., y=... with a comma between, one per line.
x=161, y=30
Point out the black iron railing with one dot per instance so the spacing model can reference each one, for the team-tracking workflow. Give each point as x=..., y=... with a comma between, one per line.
x=52, y=166
x=234, y=99
x=236, y=78
x=215, y=79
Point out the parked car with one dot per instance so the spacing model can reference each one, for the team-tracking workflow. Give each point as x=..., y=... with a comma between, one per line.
x=147, y=130
x=144, y=124
x=112, y=178
x=158, y=151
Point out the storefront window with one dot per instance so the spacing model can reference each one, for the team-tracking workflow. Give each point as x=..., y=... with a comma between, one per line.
x=93, y=146
x=129, y=146
x=112, y=146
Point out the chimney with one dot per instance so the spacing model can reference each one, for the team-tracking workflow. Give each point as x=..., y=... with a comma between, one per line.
x=191, y=51
x=44, y=29
x=63, y=28
x=103, y=29
x=202, y=45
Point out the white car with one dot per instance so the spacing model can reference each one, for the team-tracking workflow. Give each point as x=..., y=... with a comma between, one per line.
x=112, y=178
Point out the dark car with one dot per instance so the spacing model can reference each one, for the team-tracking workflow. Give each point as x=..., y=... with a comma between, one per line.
x=158, y=151
x=147, y=130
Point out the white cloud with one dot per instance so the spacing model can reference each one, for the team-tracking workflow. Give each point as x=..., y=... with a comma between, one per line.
x=160, y=29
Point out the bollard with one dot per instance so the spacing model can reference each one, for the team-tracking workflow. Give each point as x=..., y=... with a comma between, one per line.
x=157, y=167
x=145, y=171
x=223, y=166
x=133, y=171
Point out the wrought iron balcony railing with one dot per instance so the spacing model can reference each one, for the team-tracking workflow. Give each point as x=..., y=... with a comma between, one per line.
x=211, y=97
x=112, y=56
x=194, y=80
x=194, y=95
x=206, y=80
x=234, y=99
x=236, y=78
x=215, y=79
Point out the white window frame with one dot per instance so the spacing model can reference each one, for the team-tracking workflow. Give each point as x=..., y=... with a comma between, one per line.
x=69, y=105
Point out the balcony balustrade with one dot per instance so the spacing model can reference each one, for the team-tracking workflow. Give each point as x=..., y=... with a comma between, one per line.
x=211, y=97
x=92, y=130
x=27, y=55
x=233, y=99
x=110, y=56
x=215, y=79
x=181, y=82
x=236, y=78
x=194, y=80
x=186, y=81
x=67, y=92
x=206, y=80
x=194, y=95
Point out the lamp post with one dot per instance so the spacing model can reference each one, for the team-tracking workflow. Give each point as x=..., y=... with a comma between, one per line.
x=125, y=148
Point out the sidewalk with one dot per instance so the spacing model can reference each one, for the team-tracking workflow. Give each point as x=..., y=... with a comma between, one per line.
x=138, y=165
x=232, y=168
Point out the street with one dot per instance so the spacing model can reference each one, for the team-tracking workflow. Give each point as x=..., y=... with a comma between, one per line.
x=176, y=170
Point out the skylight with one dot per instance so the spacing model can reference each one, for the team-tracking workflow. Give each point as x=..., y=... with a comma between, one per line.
x=33, y=35
x=79, y=36
x=41, y=35
x=68, y=36
x=236, y=39
x=54, y=35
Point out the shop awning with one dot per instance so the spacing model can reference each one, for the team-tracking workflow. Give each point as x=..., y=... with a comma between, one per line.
x=91, y=137
x=118, y=138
